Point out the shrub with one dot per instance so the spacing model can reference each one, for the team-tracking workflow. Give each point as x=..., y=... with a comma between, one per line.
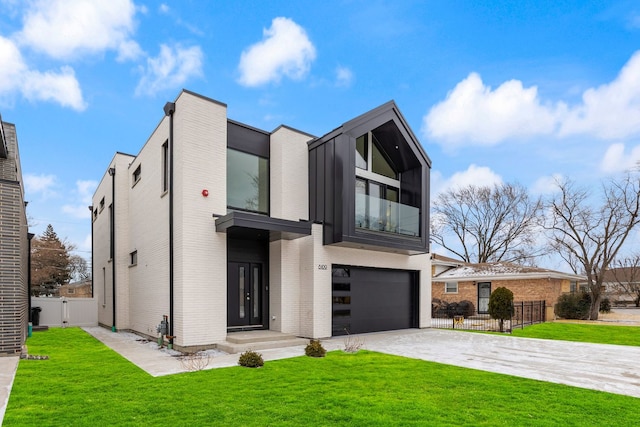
x=501, y=305
x=573, y=306
x=251, y=359
x=466, y=308
x=605, y=305
x=315, y=349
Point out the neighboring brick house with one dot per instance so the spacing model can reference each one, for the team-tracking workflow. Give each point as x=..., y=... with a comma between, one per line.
x=77, y=289
x=622, y=285
x=223, y=227
x=475, y=282
x=14, y=246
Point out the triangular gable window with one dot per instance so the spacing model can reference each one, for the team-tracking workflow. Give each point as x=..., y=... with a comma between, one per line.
x=379, y=162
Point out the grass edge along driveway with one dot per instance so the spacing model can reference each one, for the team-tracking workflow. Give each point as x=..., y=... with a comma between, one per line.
x=579, y=332
x=86, y=383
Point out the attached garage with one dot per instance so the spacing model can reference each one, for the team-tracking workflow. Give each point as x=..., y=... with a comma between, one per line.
x=372, y=299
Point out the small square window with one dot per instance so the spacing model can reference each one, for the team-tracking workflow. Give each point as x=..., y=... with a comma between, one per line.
x=137, y=174
x=133, y=258
x=101, y=204
x=451, y=288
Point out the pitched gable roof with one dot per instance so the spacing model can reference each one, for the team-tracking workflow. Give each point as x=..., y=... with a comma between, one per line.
x=502, y=271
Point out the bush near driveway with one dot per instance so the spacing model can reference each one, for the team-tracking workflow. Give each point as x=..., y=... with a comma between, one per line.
x=86, y=383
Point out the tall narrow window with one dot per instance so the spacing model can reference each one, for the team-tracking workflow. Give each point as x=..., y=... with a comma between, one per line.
x=241, y=292
x=111, y=228
x=137, y=174
x=362, y=145
x=247, y=182
x=104, y=286
x=165, y=167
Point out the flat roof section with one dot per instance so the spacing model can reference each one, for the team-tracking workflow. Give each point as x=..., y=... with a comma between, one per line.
x=238, y=222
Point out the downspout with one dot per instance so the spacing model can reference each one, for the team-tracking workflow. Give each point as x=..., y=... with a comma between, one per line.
x=112, y=172
x=169, y=109
x=29, y=237
x=92, y=278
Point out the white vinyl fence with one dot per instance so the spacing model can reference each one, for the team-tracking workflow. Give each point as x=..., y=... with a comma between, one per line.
x=65, y=312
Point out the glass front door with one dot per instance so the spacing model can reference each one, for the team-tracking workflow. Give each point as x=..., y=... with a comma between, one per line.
x=484, y=292
x=244, y=294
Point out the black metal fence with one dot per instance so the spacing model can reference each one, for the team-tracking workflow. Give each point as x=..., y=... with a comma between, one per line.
x=462, y=316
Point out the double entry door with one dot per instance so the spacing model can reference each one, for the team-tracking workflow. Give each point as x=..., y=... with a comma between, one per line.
x=245, y=293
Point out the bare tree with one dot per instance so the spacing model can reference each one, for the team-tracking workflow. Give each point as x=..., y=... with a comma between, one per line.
x=589, y=234
x=625, y=277
x=79, y=268
x=487, y=224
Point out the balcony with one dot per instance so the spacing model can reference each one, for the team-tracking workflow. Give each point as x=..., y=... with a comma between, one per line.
x=382, y=215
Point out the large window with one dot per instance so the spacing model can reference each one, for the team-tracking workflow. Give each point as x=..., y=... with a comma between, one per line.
x=247, y=182
x=378, y=186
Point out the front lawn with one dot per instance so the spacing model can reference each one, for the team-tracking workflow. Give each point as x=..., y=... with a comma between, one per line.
x=599, y=334
x=86, y=383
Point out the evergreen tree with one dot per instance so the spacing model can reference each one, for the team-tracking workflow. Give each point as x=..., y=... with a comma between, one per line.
x=50, y=263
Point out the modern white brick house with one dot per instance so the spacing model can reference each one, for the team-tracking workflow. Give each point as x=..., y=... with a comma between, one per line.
x=223, y=227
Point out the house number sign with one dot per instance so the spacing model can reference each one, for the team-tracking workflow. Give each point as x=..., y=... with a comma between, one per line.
x=322, y=267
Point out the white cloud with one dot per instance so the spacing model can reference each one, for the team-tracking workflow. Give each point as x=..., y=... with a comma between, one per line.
x=344, y=76
x=546, y=184
x=475, y=114
x=40, y=184
x=609, y=111
x=616, y=159
x=170, y=69
x=285, y=50
x=474, y=175
x=82, y=193
x=163, y=8
x=15, y=77
x=65, y=29
x=62, y=88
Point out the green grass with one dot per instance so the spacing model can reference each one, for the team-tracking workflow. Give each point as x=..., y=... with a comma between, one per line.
x=86, y=383
x=599, y=334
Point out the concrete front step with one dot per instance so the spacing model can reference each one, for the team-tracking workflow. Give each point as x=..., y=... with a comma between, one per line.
x=238, y=342
x=241, y=348
x=257, y=336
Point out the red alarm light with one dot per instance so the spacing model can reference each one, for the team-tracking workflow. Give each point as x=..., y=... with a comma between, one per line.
x=205, y=192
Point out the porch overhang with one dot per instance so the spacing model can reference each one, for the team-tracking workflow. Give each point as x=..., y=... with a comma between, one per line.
x=238, y=222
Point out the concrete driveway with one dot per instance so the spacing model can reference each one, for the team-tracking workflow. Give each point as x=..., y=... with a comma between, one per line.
x=610, y=368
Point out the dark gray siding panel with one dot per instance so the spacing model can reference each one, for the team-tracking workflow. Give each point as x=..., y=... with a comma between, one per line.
x=249, y=140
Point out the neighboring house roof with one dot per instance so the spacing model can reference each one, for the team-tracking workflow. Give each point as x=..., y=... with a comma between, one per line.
x=443, y=260
x=501, y=271
x=622, y=275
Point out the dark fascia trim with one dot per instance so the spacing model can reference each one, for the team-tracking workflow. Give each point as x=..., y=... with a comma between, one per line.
x=4, y=150
x=206, y=98
x=238, y=219
x=293, y=130
x=363, y=119
x=244, y=125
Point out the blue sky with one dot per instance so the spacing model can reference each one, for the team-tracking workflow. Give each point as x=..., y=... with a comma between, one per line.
x=496, y=91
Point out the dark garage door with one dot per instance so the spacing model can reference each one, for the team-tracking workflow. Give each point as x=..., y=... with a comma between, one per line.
x=371, y=299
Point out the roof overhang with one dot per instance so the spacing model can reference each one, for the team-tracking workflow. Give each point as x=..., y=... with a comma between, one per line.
x=278, y=229
x=443, y=277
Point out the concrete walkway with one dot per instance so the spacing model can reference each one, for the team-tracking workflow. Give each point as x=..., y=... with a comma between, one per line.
x=609, y=368
x=8, y=366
